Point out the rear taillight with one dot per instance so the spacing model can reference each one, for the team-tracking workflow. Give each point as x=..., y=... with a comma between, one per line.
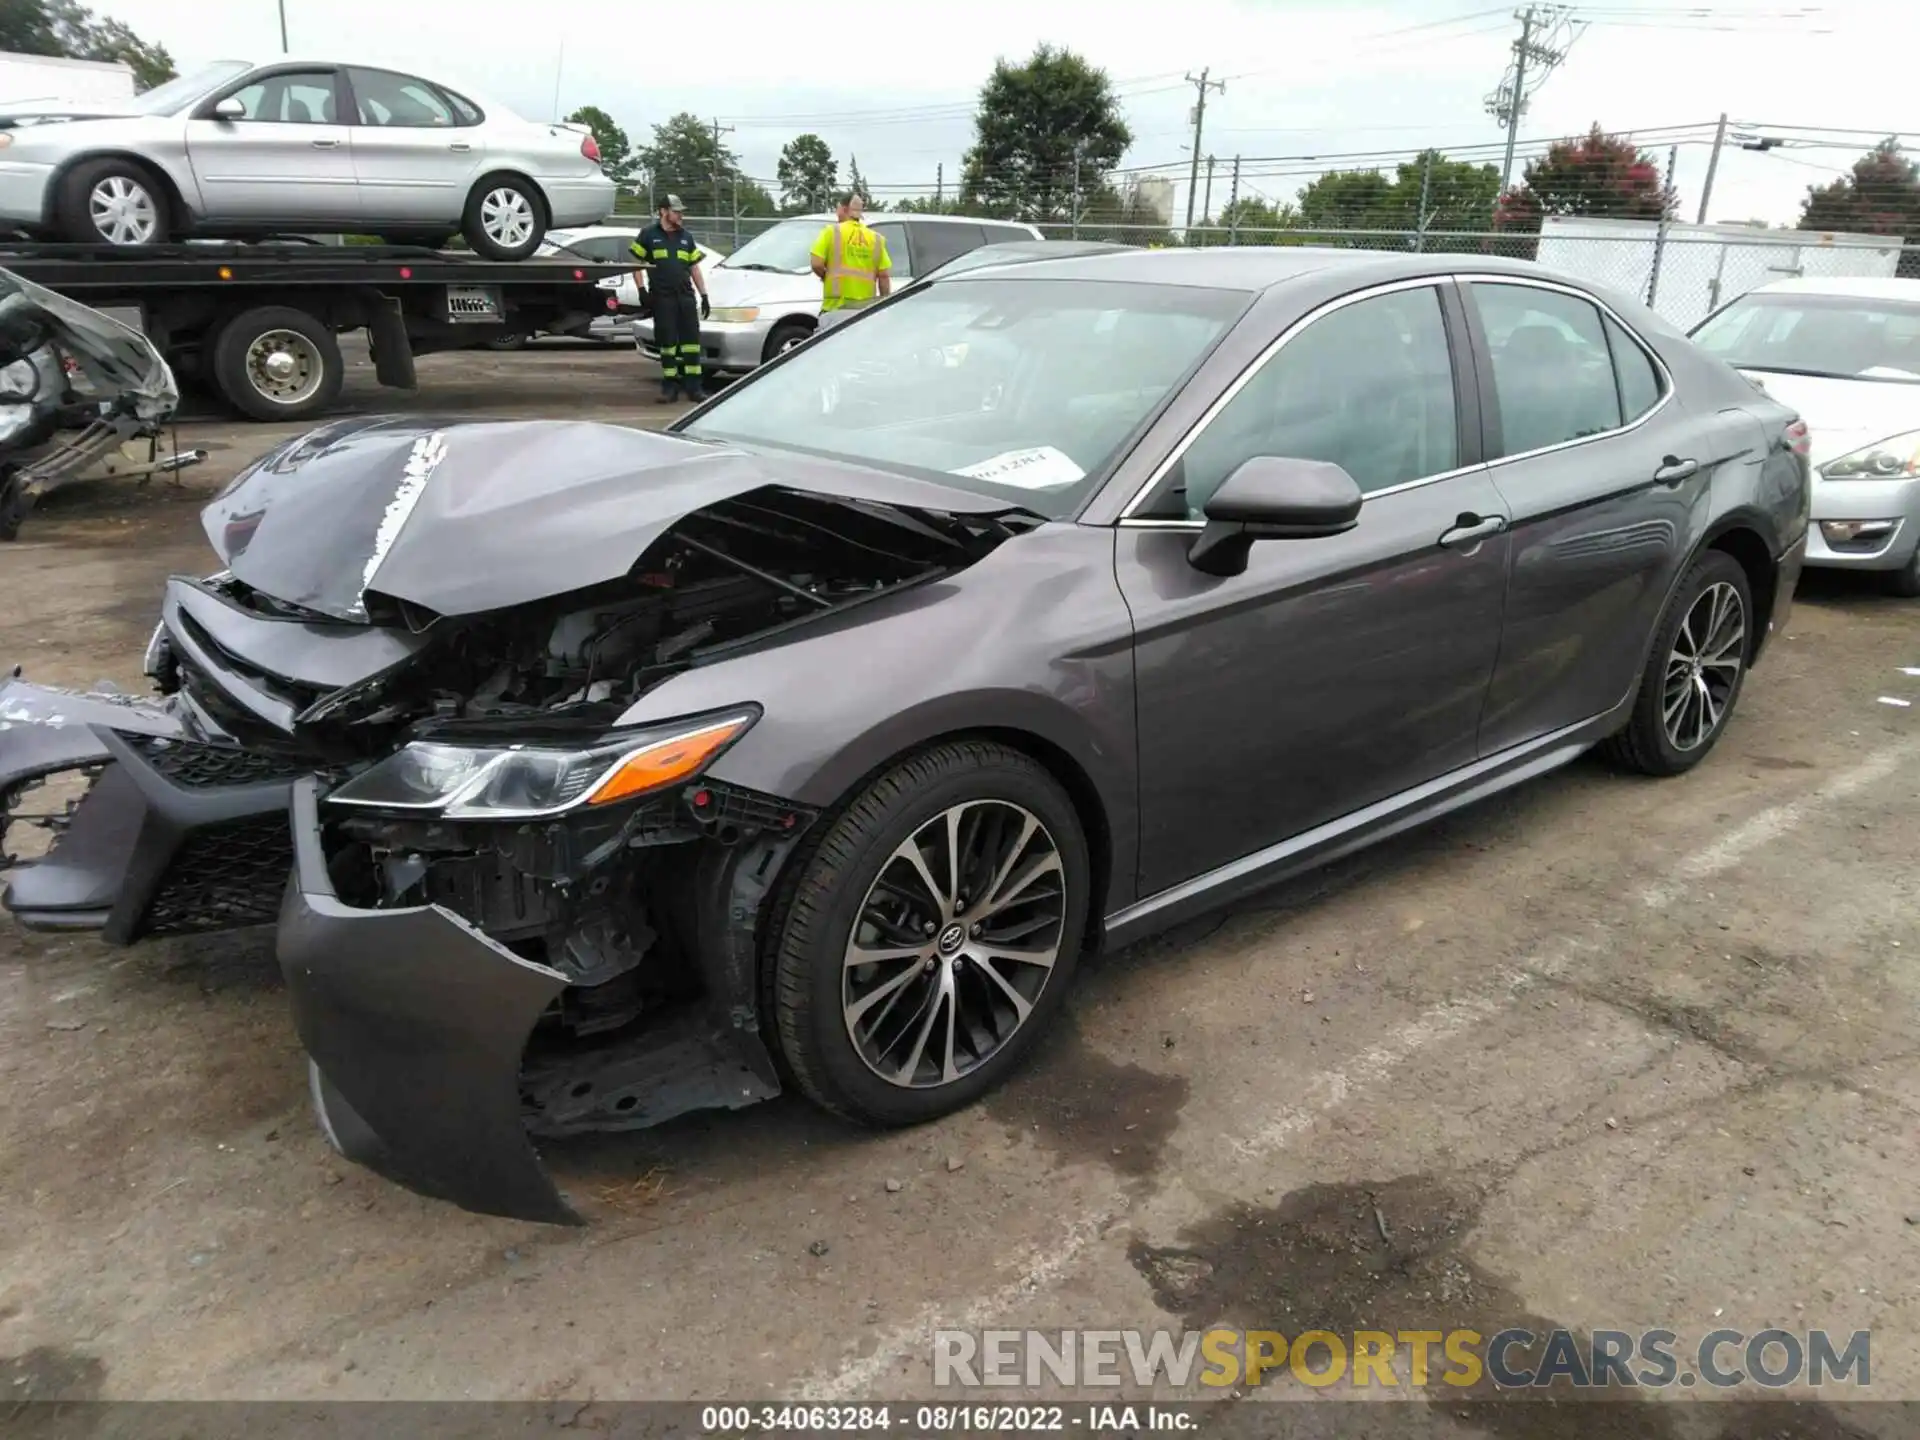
x=590, y=148
x=1799, y=440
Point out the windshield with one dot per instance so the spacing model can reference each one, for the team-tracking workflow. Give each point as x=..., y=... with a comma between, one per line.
x=181, y=91
x=1023, y=390
x=1839, y=336
x=786, y=248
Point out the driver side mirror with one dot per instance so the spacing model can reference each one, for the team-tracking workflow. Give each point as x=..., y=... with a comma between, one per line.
x=231, y=108
x=1273, y=498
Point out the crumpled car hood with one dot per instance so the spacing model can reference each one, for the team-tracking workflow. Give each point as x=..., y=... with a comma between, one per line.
x=462, y=517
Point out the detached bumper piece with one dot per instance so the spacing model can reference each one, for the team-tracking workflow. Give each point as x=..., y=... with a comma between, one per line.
x=430, y=1062
x=172, y=836
x=415, y=1023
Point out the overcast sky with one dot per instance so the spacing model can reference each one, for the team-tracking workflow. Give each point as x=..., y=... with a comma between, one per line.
x=1302, y=79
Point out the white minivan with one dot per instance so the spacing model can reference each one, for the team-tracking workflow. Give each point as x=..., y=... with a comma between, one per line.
x=766, y=297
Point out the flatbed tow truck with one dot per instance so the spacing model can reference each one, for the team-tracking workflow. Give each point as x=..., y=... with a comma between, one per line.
x=257, y=324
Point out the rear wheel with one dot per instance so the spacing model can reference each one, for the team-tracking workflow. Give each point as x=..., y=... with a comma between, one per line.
x=277, y=363
x=505, y=218
x=113, y=202
x=928, y=937
x=1694, y=674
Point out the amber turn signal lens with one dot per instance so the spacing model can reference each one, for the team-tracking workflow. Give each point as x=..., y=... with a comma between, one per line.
x=665, y=761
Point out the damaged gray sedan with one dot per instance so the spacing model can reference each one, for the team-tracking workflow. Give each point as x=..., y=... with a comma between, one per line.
x=592, y=776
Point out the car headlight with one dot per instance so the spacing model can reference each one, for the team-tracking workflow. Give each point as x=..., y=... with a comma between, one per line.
x=736, y=314
x=1895, y=459
x=529, y=782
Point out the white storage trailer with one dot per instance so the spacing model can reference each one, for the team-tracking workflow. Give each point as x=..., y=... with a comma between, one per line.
x=1692, y=270
x=48, y=77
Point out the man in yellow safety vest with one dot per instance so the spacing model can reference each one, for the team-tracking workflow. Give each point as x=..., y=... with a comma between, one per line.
x=851, y=261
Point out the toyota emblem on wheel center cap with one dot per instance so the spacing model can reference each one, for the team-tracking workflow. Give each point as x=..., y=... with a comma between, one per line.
x=952, y=938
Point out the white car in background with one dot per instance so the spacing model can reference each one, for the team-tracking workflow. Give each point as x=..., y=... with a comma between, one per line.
x=1846, y=354
x=766, y=298
x=240, y=150
x=613, y=245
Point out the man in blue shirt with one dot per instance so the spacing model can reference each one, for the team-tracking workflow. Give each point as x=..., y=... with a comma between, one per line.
x=670, y=258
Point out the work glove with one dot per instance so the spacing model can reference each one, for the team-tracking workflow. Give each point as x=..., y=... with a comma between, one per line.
x=706, y=307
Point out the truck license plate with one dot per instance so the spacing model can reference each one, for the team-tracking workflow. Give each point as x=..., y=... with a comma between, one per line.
x=473, y=304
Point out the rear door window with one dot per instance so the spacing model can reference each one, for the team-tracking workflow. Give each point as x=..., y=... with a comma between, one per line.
x=937, y=241
x=1552, y=369
x=902, y=259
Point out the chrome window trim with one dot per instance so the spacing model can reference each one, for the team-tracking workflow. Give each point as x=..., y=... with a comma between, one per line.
x=1659, y=365
x=1245, y=377
x=1434, y=281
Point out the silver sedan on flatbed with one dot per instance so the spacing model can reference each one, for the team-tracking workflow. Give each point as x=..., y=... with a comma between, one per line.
x=242, y=151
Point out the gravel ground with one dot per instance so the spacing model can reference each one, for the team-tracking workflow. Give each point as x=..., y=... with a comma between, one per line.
x=1599, y=1053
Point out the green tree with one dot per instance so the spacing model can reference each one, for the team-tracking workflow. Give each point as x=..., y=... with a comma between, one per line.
x=807, y=173
x=856, y=182
x=68, y=29
x=616, y=150
x=1459, y=195
x=1354, y=200
x=1033, y=120
x=687, y=159
x=1598, y=174
x=1881, y=196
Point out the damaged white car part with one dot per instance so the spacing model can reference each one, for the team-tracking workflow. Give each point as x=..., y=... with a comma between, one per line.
x=80, y=394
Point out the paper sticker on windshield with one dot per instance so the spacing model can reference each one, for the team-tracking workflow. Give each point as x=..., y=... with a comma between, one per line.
x=1038, y=469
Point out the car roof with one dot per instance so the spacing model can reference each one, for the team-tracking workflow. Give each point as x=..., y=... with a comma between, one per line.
x=914, y=217
x=1863, y=287
x=1250, y=268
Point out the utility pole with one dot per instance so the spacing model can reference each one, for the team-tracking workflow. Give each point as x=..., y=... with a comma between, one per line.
x=1206, y=208
x=1426, y=189
x=1546, y=34
x=1201, y=85
x=1233, y=206
x=718, y=131
x=1713, y=164
x=559, y=69
x=283, y=27
x=1073, y=214
x=939, y=185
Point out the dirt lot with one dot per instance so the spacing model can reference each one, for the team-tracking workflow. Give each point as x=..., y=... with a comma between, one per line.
x=1602, y=1053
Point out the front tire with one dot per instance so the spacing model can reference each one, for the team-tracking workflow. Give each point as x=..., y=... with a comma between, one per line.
x=113, y=202
x=1694, y=673
x=277, y=363
x=786, y=335
x=962, y=873
x=505, y=218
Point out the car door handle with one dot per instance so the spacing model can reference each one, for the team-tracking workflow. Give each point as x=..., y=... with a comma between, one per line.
x=1672, y=471
x=1471, y=529
x=460, y=147
x=326, y=144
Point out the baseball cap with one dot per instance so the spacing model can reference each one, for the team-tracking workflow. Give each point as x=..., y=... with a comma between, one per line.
x=672, y=202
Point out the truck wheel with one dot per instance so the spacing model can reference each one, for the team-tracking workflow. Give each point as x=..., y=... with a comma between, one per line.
x=113, y=202
x=509, y=342
x=505, y=218
x=277, y=363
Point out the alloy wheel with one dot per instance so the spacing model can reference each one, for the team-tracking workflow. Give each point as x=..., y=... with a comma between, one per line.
x=123, y=211
x=1703, y=668
x=953, y=944
x=507, y=217
x=285, y=366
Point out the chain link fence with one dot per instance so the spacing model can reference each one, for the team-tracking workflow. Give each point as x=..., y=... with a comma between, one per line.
x=1684, y=272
